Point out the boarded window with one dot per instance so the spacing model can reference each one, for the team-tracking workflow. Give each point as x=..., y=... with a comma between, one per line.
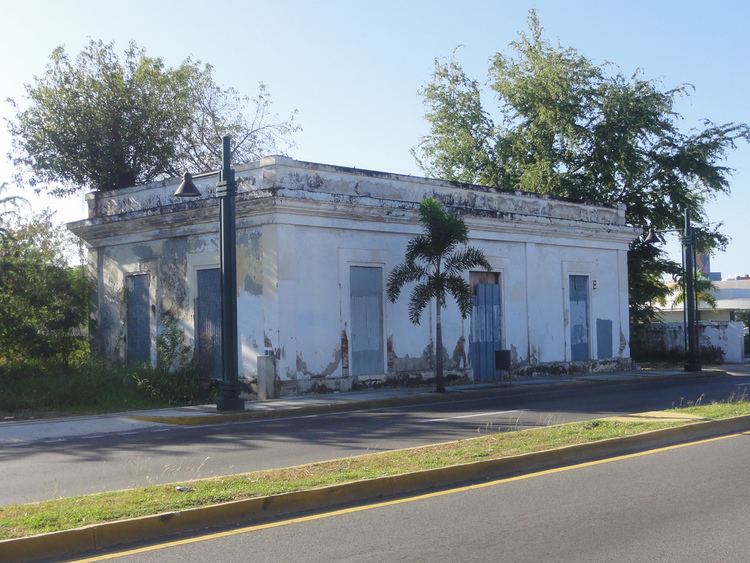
x=366, y=287
x=208, y=323
x=604, y=338
x=138, y=319
x=579, y=318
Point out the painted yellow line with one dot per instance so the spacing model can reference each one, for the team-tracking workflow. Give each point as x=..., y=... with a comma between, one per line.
x=339, y=512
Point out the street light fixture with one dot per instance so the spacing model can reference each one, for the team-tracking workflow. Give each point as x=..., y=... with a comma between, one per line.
x=226, y=189
x=693, y=362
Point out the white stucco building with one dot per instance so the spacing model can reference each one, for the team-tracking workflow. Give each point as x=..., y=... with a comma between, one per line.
x=315, y=246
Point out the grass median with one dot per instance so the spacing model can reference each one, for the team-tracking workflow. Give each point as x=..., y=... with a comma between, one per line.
x=60, y=514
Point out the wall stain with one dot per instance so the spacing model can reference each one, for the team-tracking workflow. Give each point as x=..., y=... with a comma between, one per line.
x=249, y=264
x=325, y=372
x=344, y=353
x=173, y=276
x=143, y=251
x=459, y=354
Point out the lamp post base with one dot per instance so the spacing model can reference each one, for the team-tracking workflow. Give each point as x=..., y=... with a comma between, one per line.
x=229, y=398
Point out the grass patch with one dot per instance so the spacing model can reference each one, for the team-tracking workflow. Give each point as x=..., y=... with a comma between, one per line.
x=717, y=411
x=36, y=390
x=60, y=514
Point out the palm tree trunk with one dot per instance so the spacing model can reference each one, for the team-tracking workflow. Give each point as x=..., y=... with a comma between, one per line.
x=439, y=385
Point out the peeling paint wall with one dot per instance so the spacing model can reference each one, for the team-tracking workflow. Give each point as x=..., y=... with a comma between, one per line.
x=302, y=226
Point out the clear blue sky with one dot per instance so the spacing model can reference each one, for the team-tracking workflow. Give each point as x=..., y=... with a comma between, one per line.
x=353, y=69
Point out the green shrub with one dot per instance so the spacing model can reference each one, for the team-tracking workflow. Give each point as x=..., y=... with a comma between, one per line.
x=35, y=387
x=176, y=379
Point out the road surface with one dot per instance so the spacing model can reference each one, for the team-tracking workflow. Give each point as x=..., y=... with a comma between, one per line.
x=94, y=462
x=686, y=503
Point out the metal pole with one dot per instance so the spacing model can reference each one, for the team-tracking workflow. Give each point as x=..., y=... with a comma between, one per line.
x=229, y=388
x=688, y=241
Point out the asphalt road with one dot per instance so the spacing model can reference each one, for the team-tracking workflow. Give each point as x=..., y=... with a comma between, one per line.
x=684, y=504
x=41, y=470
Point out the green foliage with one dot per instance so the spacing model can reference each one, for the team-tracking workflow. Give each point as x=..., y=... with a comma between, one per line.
x=435, y=264
x=43, y=301
x=102, y=123
x=176, y=379
x=587, y=132
x=704, y=291
x=39, y=388
x=8, y=209
x=172, y=353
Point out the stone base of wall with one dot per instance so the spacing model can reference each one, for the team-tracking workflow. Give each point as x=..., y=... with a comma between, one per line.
x=571, y=368
x=427, y=378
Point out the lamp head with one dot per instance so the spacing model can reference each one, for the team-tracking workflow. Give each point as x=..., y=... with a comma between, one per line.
x=653, y=237
x=187, y=187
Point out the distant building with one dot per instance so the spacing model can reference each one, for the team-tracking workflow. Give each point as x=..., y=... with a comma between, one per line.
x=315, y=246
x=730, y=295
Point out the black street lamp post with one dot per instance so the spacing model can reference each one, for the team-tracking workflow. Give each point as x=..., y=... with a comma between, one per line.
x=693, y=349
x=226, y=189
x=693, y=362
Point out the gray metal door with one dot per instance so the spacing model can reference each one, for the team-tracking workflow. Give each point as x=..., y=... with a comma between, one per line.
x=366, y=287
x=485, y=338
x=208, y=323
x=138, y=319
x=579, y=317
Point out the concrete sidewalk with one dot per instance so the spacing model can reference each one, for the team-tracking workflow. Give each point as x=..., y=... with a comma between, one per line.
x=51, y=430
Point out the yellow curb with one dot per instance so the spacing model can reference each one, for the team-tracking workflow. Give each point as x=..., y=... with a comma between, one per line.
x=667, y=415
x=656, y=416
x=95, y=537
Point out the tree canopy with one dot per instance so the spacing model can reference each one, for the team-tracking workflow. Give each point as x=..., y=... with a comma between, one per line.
x=102, y=122
x=568, y=127
x=43, y=301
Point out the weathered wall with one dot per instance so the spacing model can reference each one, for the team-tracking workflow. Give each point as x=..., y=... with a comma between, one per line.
x=670, y=338
x=301, y=226
x=315, y=262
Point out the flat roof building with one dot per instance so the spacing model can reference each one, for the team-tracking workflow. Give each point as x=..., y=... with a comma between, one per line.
x=315, y=244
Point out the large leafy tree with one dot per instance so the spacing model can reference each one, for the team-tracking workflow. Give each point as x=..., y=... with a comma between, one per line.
x=571, y=128
x=101, y=121
x=43, y=301
x=9, y=207
x=435, y=261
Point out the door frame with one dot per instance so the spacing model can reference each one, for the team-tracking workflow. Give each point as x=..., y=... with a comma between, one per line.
x=195, y=262
x=151, y=293
x=500, y=275
x=589, y=314
x=373, y=258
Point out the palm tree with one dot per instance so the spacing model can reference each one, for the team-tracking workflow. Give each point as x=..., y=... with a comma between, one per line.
x=705, y=292
x=435, y=264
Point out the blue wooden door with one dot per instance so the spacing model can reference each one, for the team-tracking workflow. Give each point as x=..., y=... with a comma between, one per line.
x=366, y=288
x=138, y=329
x=208, y=323
x=579, y=318
x=485, y=338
